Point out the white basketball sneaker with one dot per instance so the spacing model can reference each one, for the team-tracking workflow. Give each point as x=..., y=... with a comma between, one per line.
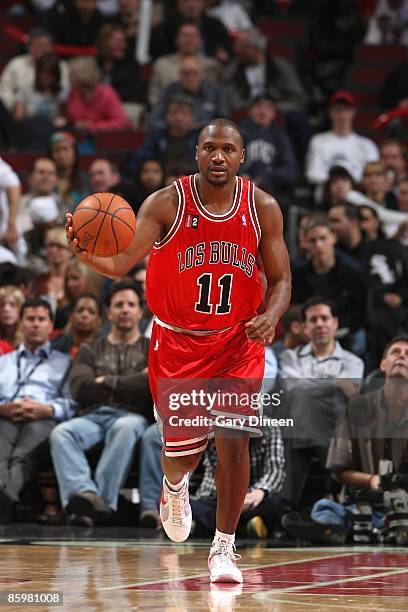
x=175, y=512
x=222, y=563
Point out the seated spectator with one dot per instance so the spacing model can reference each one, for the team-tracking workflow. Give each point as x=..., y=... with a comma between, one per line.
x=394, y=157
x=269, y=158
x=42, y=183
x=375, y=185
x=174, y=145
x=370, y=223
x=10, y=194
x=256, y=72
x=71, y=187
x=207, y=96
x=104, y=175
x=318, y=378
x=38, y=109
x=231, y=13
x=109, y=381
x=78, y=279
x=33, y=397
x=120, y=71
x=340, y=146
x=75, y=23
x=329, y=275
x=293, y=331
x=127, y=16
x=337, y=186
x=370, y=441
x=262, y=501
x=166, y=69
x=214, y=34
x=84, y=323
x=345, y=223
x=50, y=285
x=150, y=178
x=389, y=24
x=402, y=195
x=11, y=299
x=92, y=105
x=19, y=72
x=385, y=268
x=43, y=215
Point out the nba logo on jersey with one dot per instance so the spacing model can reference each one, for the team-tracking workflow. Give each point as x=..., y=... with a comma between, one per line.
x=191, y=221
x=243, y=219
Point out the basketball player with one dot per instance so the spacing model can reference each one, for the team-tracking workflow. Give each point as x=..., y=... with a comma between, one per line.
x=204, y=234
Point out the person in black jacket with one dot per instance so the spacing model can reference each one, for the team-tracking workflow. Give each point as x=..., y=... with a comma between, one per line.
x=269, y=158
x=74, y=23
x=109, y=382
x=329, y=275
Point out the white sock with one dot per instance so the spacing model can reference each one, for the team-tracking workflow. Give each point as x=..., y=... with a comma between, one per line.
x=174, y=487
x=229, y=538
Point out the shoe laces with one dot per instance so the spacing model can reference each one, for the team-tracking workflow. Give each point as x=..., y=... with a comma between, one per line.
x=226, y=550
x=176, y=506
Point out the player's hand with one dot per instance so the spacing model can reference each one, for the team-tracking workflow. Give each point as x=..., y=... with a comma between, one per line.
x=261, y=329
x=72, y=241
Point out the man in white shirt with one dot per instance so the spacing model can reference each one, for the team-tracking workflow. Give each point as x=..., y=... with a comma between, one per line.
x=340, y=146
x=19, y=72
x=318, y=379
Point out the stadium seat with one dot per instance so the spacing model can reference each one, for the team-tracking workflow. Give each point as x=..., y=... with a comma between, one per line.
x=119, y=140
x=380, y=54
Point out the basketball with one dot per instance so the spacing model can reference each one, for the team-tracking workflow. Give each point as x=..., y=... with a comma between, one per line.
x=104, y=224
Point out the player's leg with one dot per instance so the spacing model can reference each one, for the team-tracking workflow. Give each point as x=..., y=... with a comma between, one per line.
x=175, y=510
x=231, y=480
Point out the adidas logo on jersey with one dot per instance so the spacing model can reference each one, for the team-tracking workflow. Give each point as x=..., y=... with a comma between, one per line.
x=243, y=219
x=156, y=346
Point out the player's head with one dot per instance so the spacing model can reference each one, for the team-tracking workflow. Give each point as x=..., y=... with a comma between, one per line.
x=220, y=151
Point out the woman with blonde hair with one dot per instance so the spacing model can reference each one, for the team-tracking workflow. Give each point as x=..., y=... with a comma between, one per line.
x=93, y=105
x=11, y=299
x=79, y=279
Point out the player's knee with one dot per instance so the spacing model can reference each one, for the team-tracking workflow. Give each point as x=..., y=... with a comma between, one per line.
x=187, y=463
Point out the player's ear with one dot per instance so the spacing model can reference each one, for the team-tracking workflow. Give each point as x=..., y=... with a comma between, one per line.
x=242, y=156
x=196, y=153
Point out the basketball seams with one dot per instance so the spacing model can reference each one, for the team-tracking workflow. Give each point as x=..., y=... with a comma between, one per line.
x=97, y=211
x=102, y=222
x=109, y=239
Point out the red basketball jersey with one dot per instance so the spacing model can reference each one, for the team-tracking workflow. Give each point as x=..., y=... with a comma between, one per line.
x=203, y=274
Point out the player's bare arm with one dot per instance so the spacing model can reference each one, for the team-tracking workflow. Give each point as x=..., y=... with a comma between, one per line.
x=155, y=217
x=275, y=258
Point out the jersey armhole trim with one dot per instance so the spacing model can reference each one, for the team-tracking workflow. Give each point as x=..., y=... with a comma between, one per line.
x=252, y=212
x=179, y=216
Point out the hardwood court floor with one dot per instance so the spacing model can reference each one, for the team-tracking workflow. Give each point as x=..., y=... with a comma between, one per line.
x=122, y=570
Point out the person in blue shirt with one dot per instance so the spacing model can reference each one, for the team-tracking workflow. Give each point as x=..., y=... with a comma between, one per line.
x=33, y=398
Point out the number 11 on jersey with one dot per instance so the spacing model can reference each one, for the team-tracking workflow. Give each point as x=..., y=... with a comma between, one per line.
x=206, y=285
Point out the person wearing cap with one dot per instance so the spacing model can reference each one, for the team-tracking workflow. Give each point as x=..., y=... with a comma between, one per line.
x=19, y=72
x=269, y=158
x=340, y=146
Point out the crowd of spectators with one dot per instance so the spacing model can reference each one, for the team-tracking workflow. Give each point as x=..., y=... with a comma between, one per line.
x=73, y=345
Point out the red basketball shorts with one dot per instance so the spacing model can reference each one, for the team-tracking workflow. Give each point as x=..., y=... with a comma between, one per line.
x=202, y=382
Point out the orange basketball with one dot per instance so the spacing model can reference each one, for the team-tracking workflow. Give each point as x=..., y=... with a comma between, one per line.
x=104, y=224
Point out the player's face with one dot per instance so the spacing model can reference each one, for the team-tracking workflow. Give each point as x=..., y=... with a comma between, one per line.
x=219, y=154
x=124, y=311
